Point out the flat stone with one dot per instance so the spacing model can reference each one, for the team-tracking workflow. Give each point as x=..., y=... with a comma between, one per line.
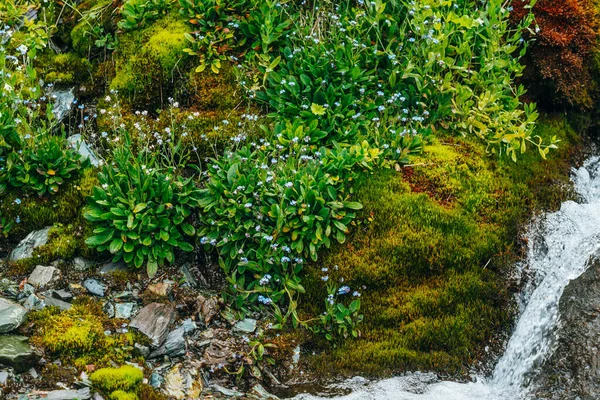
x=81, y=264
x=247, y=325
x=112, y=267
x=53, y=302
x=11, y=315
x=160, y=289
x=94, y=286
x=62, y=294
x=81, y=394
x=153, y=321
x=34, y=303
x=26, y=246
x=17, y=353
x=183, y=384
x=124, y=310
x=41, y=276
x=173, y=346
x=76, y=142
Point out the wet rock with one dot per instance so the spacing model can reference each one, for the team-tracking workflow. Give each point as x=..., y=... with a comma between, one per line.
x=153, y=321
x=62, y=294
x=124, y=310
x=95, y=287
x=34, y=303
x=247, y=325
x=81, y=394
x=573, y=370
x=81, y=264
x=17, y=353
x=183, y=384
x=207, y=308
x=11, y=315
x=112, y=267
x=259, y=393
x=63, y=102
x=26, y=246
x=77, y=143
x=160, y=289
x=42, y=276
x=53, y=302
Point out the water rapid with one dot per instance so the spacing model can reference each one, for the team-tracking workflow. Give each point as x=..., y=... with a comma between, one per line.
x=560, y=245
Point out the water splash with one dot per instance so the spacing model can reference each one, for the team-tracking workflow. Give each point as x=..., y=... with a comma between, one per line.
x=560, y=246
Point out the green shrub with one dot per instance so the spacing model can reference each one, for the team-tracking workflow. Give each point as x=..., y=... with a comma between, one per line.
x=139, y=211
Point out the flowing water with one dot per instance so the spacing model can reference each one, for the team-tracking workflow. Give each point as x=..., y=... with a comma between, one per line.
x=560, y=245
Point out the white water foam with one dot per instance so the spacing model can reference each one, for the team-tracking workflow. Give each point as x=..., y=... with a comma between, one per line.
x=560, y=246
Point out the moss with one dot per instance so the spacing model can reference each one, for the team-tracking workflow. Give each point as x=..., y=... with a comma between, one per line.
x=121, y=395
x=91, y=15
x=124, y=378
x=433, y=253
x=66, y=68
x=147, y=61
x=78, y=336
x=210, y=91
x=147, y=392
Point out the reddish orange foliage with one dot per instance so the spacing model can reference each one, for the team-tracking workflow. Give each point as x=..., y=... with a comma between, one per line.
x=562, y=56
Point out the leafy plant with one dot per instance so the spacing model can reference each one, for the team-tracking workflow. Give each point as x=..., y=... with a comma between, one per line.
x=139, y=13
x=140, y=212
x=339, y=321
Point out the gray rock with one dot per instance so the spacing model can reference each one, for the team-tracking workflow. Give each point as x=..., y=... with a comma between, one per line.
x=28, y=289
x=62, y=294
x=124, y=295
x=41, y=276
x=63, y=103
x=225, y=391
x=112, y=267
x=156, y=380
x=9, y=288
x=77, y=143
x=189, y=277
x=81, y=264
x=144, y=350
x=17, y=353
x=153, y=321
x=94, y=286
x=258, y=392
x=11, y=315
x=33, y=303
x=109, y=309
x=81, y=394
x=53, y=302
x=174, y=345
x=96, y=396
x=26, y=246
x=573, y=369
x=124, y=310
x=247, y=325
x=3, y=378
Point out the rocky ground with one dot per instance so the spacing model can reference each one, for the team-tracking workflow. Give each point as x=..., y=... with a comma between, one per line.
x=191, y=346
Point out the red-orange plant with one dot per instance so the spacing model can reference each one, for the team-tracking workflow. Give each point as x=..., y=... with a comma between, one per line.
x=561, y=59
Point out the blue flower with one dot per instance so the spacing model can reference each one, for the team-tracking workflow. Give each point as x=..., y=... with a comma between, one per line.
x=17, y=201
x=344, y=290
x=285, y=259
x=264, y=300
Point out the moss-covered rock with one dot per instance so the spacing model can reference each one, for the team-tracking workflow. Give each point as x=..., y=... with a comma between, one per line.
x=123, y=379
x=94, y=17
x=432, y=255
x=65, y=68
x=122, y=395
x=149, y=61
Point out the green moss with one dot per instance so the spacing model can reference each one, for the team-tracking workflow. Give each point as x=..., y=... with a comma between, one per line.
x=210, y=91
x=77, y=336
x=91, y=16
x=66, y=68
x=433, y=251
x=124, y=378
x=147, y=61
x=121, y=395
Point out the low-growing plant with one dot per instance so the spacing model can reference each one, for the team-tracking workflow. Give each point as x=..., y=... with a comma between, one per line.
x=139, y=13
x=141, y=211
x=339, y=321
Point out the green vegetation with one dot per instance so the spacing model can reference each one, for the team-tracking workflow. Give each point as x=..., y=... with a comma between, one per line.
x=123, y=379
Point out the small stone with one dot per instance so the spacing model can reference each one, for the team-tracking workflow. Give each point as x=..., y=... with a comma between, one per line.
x=109, y=309
x=63, y=103
x=52, y=302
x=9, y=288
x=112, y=267
x=189, y=278
x=259, y=393
x=156, y=380
x=160, y=289
x=77, y=143
x=207, y=308
x=174, y=384
x=218, y=352
x=94, y=287
x=153, y=321
x=33, y=303
x=3, y=378
x=81, y=264
x=62, y=294
x=11, y=315
x=173, y=346
x=124, y=310
x=96, y=396
x=225, y=391
x=124, y=295
x=41, y=276
x=144, y=350
x=32, y=241
x=247, y=325
x=81, y=394
x=17, y=353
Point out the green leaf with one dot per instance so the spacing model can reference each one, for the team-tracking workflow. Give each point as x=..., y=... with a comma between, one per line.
x=185, y=246
x=188, y=229
x=151, y=268
x=139, y=208
x=115, y=245
x=353, y=205
x=317, y=109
